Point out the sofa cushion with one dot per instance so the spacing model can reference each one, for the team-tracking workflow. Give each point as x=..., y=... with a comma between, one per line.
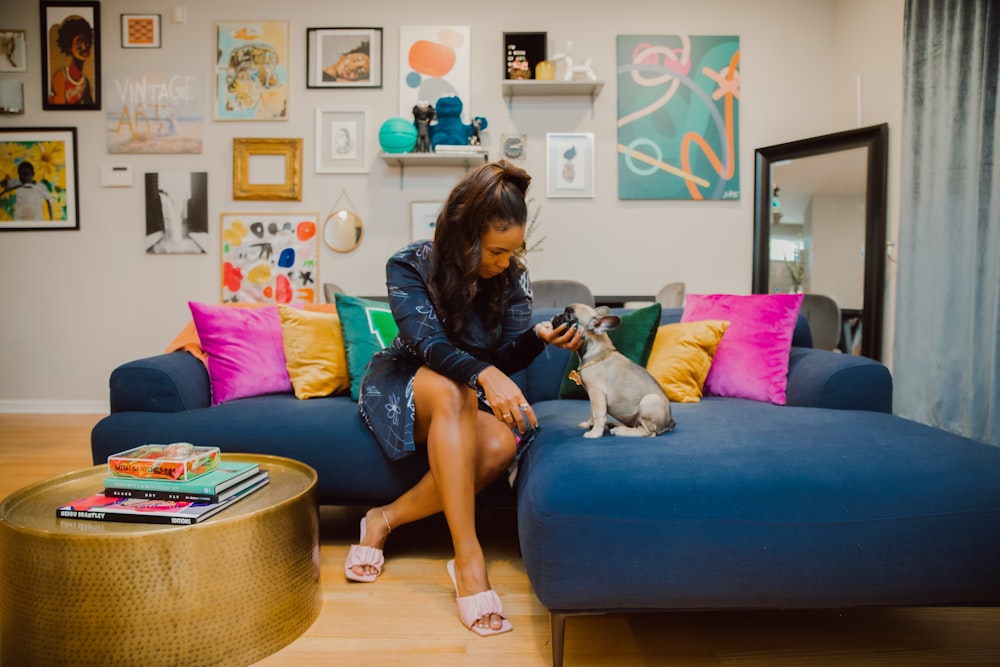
x=682, y=356
x=751, y=360
x=246, y=356
x=368, y=327
x=314, y=352
x=748, y=504
x=633, y=338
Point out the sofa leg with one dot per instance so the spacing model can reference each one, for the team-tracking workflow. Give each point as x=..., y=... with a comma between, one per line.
x=557, y=622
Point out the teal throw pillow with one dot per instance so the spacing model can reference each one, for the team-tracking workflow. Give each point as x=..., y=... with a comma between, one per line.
x=633, y=338
x=368, y=327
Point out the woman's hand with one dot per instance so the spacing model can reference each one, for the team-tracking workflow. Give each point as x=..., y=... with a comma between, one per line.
x=506, y=399
x=565, y=335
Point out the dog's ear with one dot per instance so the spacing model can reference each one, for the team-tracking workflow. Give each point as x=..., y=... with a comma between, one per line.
x=606, y=323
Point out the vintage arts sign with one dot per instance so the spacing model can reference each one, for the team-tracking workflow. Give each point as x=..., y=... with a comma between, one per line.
x=154, y=112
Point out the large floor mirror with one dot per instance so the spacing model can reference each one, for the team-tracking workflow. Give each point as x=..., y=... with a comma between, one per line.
x=819, y=227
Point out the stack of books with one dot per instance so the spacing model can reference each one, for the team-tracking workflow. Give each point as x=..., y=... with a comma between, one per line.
x=175, y=484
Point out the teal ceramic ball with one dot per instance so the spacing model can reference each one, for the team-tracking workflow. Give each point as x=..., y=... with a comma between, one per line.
x=397, y=135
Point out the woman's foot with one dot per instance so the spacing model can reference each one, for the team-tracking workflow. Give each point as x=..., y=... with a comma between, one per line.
x=365, y=559
x=481, y=612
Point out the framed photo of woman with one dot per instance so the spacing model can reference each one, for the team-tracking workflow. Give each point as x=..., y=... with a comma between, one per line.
x=71, y=55
x=344, y=57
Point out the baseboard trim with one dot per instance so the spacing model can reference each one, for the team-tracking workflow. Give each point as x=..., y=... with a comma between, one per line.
x=54, y=407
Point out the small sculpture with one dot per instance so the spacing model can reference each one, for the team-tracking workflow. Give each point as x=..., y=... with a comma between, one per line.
x=571, y=70
x=423, y=114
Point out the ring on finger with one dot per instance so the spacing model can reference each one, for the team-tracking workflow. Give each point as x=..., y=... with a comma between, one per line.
x=524, y=406
x=506, y=416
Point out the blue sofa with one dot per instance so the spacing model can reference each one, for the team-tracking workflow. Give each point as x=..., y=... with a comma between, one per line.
x=829, y=501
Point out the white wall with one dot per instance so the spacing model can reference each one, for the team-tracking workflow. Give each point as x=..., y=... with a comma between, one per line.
x=76, y=304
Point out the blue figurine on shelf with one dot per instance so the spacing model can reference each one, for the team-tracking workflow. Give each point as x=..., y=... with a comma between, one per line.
x=449, y=130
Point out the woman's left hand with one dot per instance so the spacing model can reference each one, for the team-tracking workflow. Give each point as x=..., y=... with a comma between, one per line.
x=565, y=335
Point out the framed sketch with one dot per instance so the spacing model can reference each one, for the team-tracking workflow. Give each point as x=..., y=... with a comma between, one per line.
x=140, y=31
x=251, y=72
x=71, y=54
x=423, y=219
x=269, y=257
x=344, y=57
x=570, y=164
x=268, y=169
x=38, y=179
x=342, y=141
x=176, y=213
x=13, y=51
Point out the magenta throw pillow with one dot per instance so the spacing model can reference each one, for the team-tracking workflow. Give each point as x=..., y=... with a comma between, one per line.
x=246, y=356
x=751, y=360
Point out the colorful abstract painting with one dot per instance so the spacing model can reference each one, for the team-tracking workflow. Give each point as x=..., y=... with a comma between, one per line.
x=252, y=70
x=678, y=117
x=434, y=62
x=269, y=257
x=154, y=112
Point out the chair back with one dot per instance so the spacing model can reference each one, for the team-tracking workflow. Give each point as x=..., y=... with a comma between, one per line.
x=823, y=315
x=560, y=293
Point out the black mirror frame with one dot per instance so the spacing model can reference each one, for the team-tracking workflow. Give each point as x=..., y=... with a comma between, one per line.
x=876, y=139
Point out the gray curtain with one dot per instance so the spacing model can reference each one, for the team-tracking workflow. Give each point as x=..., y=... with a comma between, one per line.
x=946, y=355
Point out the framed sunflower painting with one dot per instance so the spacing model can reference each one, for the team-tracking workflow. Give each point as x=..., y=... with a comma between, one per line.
x=38, y=179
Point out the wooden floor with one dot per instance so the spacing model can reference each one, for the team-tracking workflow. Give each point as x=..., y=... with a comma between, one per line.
x=408, y=617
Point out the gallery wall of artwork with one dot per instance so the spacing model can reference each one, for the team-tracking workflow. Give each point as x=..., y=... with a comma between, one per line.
x=156, y=104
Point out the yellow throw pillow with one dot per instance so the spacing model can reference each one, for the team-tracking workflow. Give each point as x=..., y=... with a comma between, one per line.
x=682, y=356
x=314, y=351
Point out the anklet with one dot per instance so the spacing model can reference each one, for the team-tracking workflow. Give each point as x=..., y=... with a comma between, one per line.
x=386, y=519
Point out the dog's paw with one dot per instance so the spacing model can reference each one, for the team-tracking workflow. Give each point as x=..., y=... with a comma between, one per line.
x=587, y=425
x=593, y=434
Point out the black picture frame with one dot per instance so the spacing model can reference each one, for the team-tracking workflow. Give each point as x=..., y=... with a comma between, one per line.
x=532, y=46
x=61, y=57
x=52, y=154
x=326, y=46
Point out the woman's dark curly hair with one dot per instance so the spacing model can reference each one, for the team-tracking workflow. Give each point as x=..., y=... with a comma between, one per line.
x=492, y=196
x=70, y=28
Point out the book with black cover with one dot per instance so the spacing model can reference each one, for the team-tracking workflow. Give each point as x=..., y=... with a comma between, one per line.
x=139, y=510
x=183, y=496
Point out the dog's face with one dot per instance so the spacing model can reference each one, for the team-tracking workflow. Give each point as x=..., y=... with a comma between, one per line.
x=593, y=320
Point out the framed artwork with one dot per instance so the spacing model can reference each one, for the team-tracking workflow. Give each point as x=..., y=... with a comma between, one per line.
x=13, y=51
x=423, y=219
x=176, y=213
x=678, y=117
x=140, y=31
x=251, y=73
x=570, y=164
x=38, y=179
x=269, y=257
x=342, y=141
x=521, y=52
x=168, y=122
x=269, y=169
x=344, y=57
x=71, y=54
x=434, y=61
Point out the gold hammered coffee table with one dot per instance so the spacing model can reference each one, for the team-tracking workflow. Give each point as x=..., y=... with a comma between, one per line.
x=228, y=591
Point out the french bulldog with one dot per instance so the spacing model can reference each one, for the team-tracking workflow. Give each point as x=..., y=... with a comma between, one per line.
x=615, y=384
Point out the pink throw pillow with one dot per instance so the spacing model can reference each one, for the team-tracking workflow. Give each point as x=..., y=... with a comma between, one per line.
x=246, y=355
x=752, y=358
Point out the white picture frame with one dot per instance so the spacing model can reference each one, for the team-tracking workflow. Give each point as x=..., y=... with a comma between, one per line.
x=423, y=219
x=342, y=140
x=569, y=164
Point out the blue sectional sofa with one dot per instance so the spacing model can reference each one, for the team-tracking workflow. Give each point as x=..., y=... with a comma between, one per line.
x=828, y=501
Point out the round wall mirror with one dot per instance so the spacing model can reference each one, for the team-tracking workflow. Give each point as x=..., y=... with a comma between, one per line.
x=342, y=231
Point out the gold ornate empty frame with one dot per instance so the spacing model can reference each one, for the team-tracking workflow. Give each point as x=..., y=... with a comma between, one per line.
x=254, y=163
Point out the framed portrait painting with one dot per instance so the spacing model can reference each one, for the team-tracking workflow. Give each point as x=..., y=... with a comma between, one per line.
x=71, y=55
x=251, y=73
x=341, y=141
x=344, y=57
x=38, y=179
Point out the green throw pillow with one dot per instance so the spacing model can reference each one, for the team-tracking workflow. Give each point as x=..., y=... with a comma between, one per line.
x=368, y=327
x=633, y=338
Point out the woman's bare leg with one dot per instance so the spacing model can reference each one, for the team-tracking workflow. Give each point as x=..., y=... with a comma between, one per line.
x=467, y=449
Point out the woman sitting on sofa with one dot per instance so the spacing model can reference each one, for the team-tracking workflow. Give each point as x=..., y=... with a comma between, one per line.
x=463, y=307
